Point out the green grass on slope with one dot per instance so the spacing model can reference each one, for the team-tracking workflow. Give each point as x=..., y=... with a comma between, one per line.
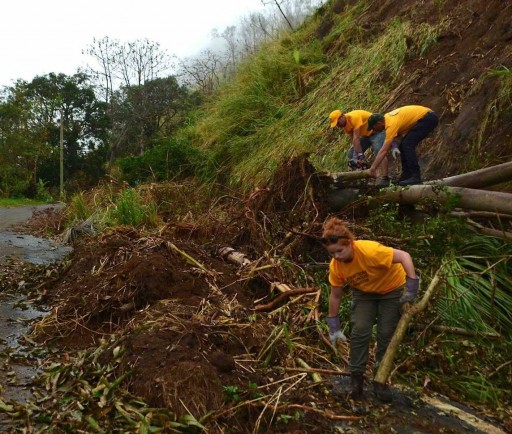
x=277, y=105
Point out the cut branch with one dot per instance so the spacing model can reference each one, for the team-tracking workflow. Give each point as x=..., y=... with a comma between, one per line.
x=283, y=296
x=496, y=233
x=386, y=363
x=454, y=330
x=319, y=371
x=325, y=413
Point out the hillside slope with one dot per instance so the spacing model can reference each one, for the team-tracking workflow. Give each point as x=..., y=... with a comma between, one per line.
x=454, y=57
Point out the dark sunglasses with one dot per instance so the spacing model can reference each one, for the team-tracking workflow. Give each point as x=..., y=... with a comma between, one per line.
x=332, y=239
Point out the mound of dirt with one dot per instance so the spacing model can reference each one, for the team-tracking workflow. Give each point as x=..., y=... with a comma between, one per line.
x=120, y=272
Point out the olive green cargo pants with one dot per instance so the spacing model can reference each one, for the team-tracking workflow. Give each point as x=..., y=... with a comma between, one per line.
x=368, y=309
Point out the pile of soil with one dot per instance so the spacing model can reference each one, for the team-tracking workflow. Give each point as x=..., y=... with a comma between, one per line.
x=181, y=315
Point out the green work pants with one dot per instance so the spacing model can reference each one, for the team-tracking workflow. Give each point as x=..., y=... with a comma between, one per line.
x=368, y=309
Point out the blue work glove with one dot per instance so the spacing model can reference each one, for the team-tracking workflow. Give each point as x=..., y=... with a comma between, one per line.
x=362, y=163
x=411, y=290
x=335, y=332
x=395, y=152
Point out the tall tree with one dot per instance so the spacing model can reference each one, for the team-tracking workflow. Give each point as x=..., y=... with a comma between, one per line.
x=146, y=112
x=36, y=108
x=124, y=64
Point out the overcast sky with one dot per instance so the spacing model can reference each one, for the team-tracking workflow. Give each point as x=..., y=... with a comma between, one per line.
x=38, y=37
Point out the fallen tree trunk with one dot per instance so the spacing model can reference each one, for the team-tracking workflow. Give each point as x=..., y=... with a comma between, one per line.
x=468, y=198
x=350, y=176
x=387, y=361
x=479, y=178
x=496, y=233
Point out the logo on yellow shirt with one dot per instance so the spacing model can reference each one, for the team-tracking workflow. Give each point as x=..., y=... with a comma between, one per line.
x=358, y=279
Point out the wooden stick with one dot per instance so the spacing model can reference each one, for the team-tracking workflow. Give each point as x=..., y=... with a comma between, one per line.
x=489, y=231
x=315, y=375
x=326, y=413
x=386, y=363
x=189, y=258
x=455, y=330
x=283, y=296
x=351, y=176
x=318, y=370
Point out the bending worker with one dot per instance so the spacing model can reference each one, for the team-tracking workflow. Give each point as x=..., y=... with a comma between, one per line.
x=355, y=124
x=382, y=280
x=414, y=123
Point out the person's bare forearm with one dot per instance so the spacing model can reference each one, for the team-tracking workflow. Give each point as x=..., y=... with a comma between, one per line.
x=381, y=155
x=335, y=300
x=356, y=141
x=402, y=257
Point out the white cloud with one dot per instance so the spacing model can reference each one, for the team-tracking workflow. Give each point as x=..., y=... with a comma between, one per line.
x=38, y=37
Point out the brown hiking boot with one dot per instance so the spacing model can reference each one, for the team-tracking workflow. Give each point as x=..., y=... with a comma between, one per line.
x=382, y=392
x=356, y=386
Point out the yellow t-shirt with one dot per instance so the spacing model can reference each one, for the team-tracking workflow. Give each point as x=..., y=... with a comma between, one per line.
x=371, y=270
x=357, y=119
x=400, y=121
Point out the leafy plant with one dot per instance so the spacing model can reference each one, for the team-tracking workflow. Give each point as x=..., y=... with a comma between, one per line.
x=131, y=210
x=78, y=208
x=478, y=291
x=42, y=192
x=170, y=159
x=231, y=393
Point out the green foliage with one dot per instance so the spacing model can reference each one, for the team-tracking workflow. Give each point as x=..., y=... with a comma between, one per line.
x=286, y=418
x=231, y=393
x=42, y=192
x=168, y=160
x=18, y=202
x=143, y=113
x=278, y=102
x=131, y=210
x=439, y=236
x=78, y=209
x=478, y=291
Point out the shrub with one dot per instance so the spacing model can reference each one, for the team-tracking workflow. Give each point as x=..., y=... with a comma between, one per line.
x=172, y=159
x=131, y=210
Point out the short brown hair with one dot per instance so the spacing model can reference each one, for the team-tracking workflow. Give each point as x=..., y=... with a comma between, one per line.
x=334, y=227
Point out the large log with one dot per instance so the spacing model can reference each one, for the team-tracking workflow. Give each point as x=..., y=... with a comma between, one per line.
x=479, y=178
x=468, y=198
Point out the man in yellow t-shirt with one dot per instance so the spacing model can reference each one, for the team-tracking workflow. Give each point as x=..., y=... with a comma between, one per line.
x=377, y=275
x=413, y=123
x=355, y=124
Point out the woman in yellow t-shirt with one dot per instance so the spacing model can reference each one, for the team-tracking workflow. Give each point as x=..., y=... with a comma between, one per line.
x=377, y=275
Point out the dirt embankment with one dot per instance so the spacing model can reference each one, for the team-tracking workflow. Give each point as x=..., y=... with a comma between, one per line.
x=458, y=78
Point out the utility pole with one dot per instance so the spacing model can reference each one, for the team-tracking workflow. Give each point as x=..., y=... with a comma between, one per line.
x=61, y=154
